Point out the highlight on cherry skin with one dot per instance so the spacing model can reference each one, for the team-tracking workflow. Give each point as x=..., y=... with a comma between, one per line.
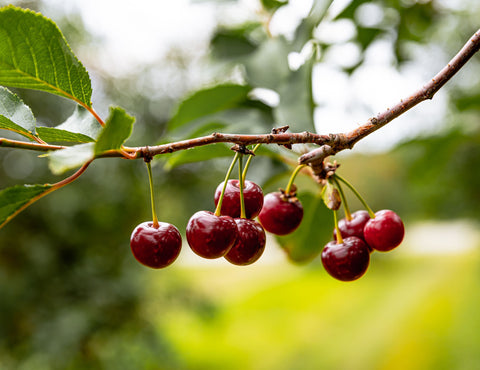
x=252, y=195
x=346, y=261
x=156, y=247
x=281, y=214
x=211, y=236
x=249, y=245
x=384, y=232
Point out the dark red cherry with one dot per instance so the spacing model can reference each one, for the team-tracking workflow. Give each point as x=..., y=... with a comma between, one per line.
x=385, y=231
x=353, y=227
x=252, y=195
x=280, y=214
x=211, y=236
x=250, y=243
x=346, y=261
x=156, y=247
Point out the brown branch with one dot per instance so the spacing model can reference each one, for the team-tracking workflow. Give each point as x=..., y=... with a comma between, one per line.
x=335, y=142
x=7, y=143
x=426, y=92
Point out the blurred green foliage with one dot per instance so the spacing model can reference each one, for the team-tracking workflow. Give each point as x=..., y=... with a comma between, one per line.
x=74, y=298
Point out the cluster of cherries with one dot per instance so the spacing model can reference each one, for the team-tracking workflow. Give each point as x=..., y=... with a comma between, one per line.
x=232, y=233
x=347, y=257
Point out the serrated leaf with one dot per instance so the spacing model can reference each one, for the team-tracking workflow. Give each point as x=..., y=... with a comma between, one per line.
x=35, y=55
x=314, y=232
x=208, y=101
x=198, y=154
x=15, y=199
x=80, y=127
x=15, y=115
x=71, y=157
x=118, y=128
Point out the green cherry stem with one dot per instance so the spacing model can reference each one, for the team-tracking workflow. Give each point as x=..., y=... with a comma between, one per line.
x=240, y=185
x=156, y=225
x=247, y=164
x=227, y=176
x=337, y=229
x=292, y=178
x=348, y=214
x=357, y=194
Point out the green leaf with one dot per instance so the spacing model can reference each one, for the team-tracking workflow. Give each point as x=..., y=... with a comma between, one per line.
x=15, y=115
x=198, y=154
x=80, y=127
x=208, y=101
x=314, y=232
x=13, y=200
x=71, y=157
x=118, y=128
x=233, y=43
x=35, y=55
x=296, y=106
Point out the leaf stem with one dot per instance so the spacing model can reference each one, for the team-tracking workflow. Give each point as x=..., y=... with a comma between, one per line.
x=227, y=176
x=292, y=178
x=156, y=225
x=357, y=194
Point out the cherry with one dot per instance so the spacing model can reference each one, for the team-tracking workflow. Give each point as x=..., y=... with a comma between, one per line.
x=353, y=227
x=346, y=261
x=280, y=214
x=156, y=247
x=250, y=243
x=211, y=236
x=252, y=194
x=385, y=231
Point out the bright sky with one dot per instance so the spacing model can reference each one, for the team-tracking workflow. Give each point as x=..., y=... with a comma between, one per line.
x=138, y=32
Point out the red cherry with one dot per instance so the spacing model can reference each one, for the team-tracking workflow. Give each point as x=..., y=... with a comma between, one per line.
x=156, y=247
x=211, y=236
x=346, y=261
x=280, y=214
x=353, y=227
x=250, y=243
x=252, y=195
x=385, y=231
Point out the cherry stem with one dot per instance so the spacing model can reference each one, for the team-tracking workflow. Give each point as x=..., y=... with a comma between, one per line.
x=240, y=185
x=348, y=214
x=337, y=229
x=156, y=225
x=247, y=164
x=357, y=194
x=227, y=176
x=292, y=178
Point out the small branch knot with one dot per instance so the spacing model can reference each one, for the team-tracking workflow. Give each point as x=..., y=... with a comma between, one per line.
x=242, y=149
x=146, y=154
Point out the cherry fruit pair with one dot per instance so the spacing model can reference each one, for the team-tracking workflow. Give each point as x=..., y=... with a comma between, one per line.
x=348, y=256
x=241, y=241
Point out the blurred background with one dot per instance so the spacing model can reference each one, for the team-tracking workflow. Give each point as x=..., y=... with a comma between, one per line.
x=72, y=295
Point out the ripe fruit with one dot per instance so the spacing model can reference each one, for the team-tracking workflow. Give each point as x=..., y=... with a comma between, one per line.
x=250, y=243
x=252, y=194
x=280, y=214
x=211, y=236
x=353, y=227
x=346, y=261
x=155, y=247
x=385, y=231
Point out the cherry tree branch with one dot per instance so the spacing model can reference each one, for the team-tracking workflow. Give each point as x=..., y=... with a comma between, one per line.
x=329, y=144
